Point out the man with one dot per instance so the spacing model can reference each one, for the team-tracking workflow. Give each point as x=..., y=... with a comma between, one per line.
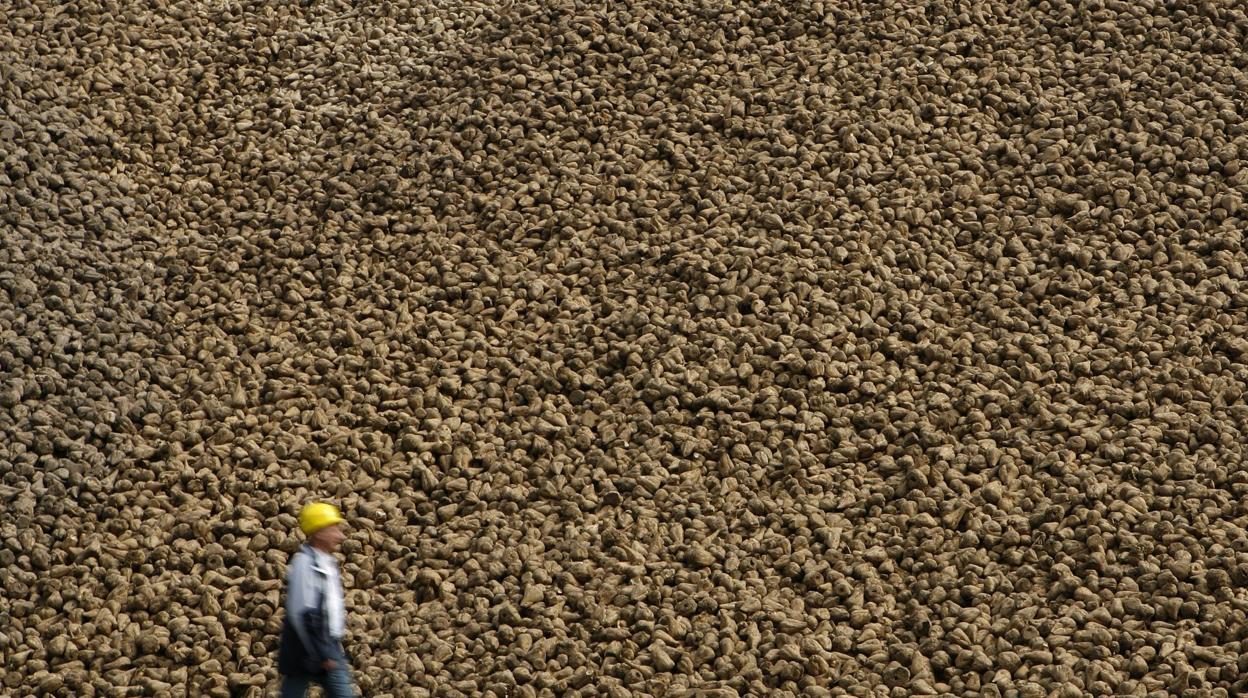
x=312, y=632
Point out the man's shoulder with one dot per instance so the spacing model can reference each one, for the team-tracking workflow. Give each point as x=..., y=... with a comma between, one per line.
x=301, y=560
x=309, y=560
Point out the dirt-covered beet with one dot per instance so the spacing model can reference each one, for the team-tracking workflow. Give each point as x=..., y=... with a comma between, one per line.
x=652, y=348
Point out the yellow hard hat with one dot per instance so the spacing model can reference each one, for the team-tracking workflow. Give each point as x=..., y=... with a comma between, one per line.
x=319, y=515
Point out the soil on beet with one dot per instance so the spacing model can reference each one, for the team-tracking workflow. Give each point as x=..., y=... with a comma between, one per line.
x=651, y=348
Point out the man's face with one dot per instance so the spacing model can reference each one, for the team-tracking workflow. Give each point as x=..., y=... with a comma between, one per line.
x=329, y=538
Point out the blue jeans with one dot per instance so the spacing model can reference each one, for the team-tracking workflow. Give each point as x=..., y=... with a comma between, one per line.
x=336, y=682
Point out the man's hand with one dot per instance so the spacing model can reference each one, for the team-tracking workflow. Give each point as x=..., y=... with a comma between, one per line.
x=329, y=665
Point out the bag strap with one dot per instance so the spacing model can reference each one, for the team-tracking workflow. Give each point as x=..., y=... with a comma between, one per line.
x=323, y=576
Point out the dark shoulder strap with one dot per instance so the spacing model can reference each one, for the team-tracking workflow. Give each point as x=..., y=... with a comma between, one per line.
x=322, y=577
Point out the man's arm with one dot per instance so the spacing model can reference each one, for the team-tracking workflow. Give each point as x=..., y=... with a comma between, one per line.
x=300, y=598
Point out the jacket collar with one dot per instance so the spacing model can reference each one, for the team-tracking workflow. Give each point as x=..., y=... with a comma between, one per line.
x=321, y=560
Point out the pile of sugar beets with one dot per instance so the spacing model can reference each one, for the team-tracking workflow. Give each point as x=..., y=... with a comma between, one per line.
x=682, y=348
